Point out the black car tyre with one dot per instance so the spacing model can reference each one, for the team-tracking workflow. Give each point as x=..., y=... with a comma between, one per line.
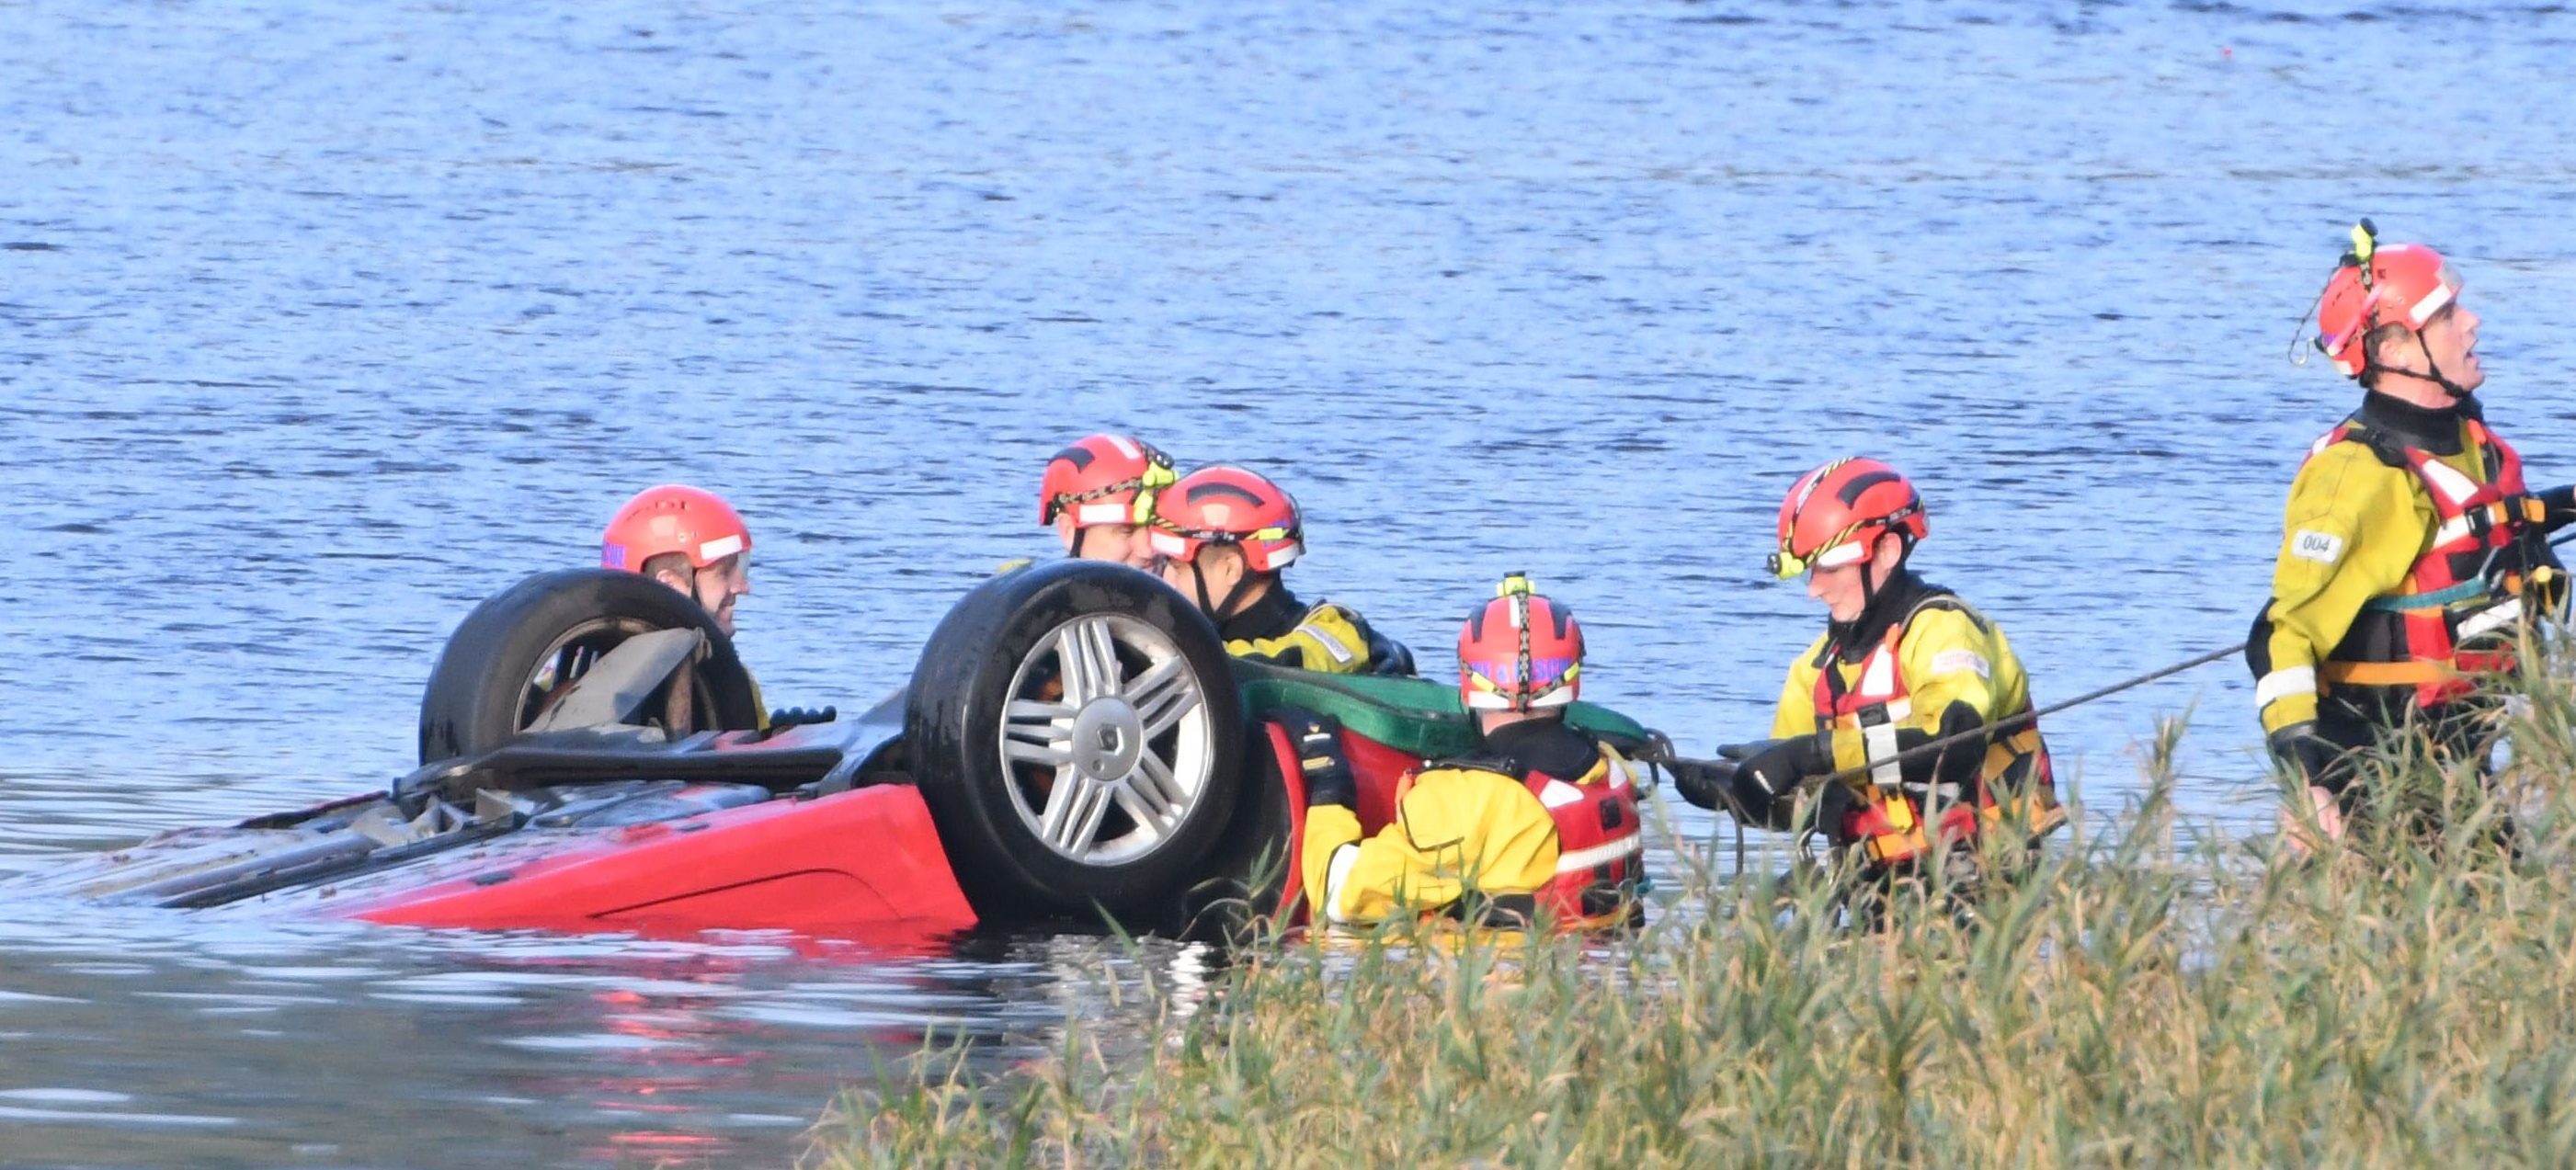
x=519, y=648
x=1076, y=732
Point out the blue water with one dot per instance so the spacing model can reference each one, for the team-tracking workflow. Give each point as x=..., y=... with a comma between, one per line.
x=319, y=323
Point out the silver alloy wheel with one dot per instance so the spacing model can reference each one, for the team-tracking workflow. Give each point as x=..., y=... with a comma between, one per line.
x=1131, y=733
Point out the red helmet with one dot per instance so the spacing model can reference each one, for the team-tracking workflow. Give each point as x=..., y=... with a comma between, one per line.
x=1103, y=479
x=2401, y=284
x=672, y=519
x=1837, y=513
x=1519, y=651
x=1228, y=505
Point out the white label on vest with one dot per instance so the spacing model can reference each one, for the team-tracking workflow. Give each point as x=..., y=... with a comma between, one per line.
x=2325, y=548
x=1955, y=661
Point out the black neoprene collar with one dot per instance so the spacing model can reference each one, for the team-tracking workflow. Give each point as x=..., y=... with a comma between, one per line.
x=2432, y=429
x=1273, y=616
x=1543, y=745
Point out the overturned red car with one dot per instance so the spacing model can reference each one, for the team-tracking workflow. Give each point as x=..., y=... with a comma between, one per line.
x=1074, y=743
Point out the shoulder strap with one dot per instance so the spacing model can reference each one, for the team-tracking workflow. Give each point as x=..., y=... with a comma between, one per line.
x=2383, y=445
x=1944, y=599
x=2503, y=463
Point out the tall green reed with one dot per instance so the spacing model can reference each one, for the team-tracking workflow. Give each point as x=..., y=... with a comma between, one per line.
x=2144, y=997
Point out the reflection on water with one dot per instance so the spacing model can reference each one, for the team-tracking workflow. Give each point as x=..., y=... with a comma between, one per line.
x=359, y=1044
x=316, y=326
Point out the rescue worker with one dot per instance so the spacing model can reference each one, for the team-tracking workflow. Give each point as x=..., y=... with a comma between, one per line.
x=1221, y=535
x=1540, y=824
x=687, y=538
x=693, y=541
x=1097, y=494
x=2411, y=551
x=1902, y=662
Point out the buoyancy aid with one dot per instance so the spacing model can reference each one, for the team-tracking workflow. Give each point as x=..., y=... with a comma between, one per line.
x=2486, y=554
x=1600, y=839
x=2014, y=779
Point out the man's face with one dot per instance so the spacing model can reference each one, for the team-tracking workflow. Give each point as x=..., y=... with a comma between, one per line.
x=2451, y=340
x=1844, y=588
x=1839, y=588
x=715, y=587
x=1179, y=574
x=1123, y=543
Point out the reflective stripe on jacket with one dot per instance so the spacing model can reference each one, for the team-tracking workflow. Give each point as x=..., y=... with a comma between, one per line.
x=1328, y=638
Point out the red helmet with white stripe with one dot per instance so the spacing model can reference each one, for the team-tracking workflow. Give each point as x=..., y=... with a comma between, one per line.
x=1103, y=479
x=1519, y=651
x=2401, y=284
x=673, y=518
x=1836, y=514
x=1228, y=505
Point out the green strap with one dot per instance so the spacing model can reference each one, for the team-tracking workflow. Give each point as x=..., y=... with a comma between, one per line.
x=2437, y=599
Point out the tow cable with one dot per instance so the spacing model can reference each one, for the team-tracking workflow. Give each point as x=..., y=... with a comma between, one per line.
x=1662, y=745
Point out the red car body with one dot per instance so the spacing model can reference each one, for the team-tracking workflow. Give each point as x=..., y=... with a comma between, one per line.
x=864, y=865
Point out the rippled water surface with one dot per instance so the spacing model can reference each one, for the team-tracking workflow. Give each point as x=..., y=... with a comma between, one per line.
x=320, y=322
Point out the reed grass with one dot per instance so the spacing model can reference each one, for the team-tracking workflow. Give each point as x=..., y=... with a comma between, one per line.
x=2139, y=998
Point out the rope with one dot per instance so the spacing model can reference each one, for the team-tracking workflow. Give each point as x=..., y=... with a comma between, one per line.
x=2016, y=722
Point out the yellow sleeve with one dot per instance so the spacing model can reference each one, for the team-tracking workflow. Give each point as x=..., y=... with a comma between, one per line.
x=1456, y=829
x=1327, y=639
x=2351, y=531
x=1330, y=828
x=1947, y=658
x=1796, y=714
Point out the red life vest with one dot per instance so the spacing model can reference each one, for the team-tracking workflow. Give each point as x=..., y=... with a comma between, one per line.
x=2467, y=582
x=1889, y=823
x=1600, y=839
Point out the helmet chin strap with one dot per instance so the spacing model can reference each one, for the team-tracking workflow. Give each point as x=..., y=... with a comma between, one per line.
x=2440, y=379
x=1869, y=590
x=1216, y=610
x=1225, y=609
x=2370, y=363
x=1198, y=582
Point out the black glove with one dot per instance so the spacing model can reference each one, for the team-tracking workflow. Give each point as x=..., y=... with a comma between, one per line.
x=1769, y=770
x=2308, y=754
x=2558, y=507
x=1775, y=766
x=1318, y=739
x=1701, y=782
